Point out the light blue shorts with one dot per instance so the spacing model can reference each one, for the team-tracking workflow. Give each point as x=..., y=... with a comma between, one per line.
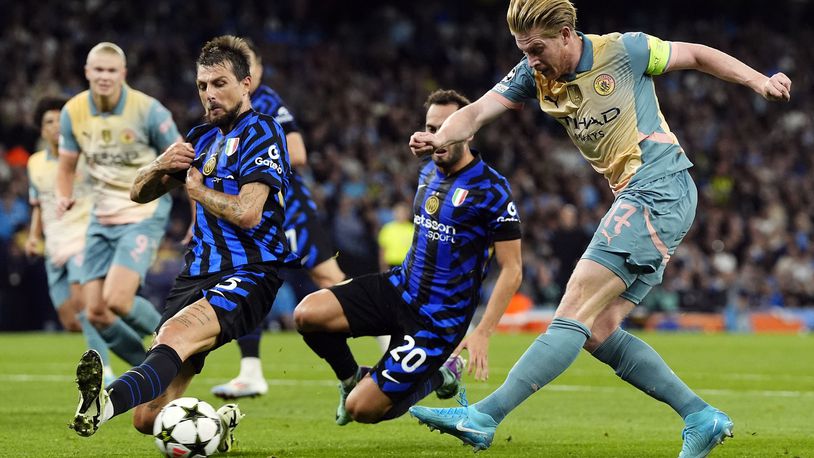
x=61, y=278
x=642, y=229
x=133, y=246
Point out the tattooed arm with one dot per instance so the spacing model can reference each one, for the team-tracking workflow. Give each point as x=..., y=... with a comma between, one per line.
x=243, y=210
x=153, y=180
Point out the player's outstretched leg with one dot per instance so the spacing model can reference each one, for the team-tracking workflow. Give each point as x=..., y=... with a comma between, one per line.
x=92, y=395
x=703, y=431
x=466, y=423
x=452, y=370
x=230, y=416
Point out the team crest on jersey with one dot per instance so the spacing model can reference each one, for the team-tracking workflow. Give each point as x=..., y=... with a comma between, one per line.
x=107, y=135
x=459, y=196
x=574, y=93
x=127, y=137
x=209, y=166
x=604, y=84
x=431, y=205
x=231, y=146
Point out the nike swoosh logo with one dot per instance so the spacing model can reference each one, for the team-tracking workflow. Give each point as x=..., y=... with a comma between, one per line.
x=460, y=427
x=386, y=374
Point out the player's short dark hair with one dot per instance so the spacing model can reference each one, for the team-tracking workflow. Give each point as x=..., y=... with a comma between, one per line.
x=227, y=48
x=46, y=104
x=446, y=97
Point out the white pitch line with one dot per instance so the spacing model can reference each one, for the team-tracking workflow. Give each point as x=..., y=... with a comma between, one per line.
x=24, y=378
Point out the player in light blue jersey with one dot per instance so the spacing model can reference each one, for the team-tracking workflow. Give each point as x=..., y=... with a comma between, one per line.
x=600, y=88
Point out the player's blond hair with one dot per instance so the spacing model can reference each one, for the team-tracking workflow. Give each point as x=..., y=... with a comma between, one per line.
x=548, y=16
x=108, y=47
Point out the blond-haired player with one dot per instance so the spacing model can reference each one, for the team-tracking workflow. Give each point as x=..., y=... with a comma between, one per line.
x=600, y=88
x=118, y=130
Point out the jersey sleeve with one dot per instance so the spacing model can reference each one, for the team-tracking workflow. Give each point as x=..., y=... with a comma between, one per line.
x=161, y=127
x=67, y=141
x=264, y=157
x=519, y=85
x=33, y=192
x=648, y=54
x=285, y=119
x=504, y=221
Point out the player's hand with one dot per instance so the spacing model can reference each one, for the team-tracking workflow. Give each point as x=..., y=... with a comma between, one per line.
x=33, y=247
x=777, y=88
x=194, y=183
x=478, y=345
x=177, y=158
x=63, y=205
x=423, y=143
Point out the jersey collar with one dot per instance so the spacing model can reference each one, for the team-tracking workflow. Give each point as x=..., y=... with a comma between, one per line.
x=117, y=110
x=586, y=60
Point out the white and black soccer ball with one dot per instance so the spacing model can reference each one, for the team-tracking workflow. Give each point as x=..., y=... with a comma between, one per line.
x=187, y=427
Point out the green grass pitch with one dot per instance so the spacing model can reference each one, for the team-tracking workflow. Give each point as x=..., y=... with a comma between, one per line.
x=765, y=383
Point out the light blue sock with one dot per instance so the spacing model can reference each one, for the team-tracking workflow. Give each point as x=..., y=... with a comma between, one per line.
x=546, y=358
x=124, y=342
x=94, y=339
x=637, y=363
x=143, y=316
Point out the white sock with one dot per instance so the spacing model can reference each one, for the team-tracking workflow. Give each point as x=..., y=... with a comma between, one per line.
x=108, y=413
x=251, y=368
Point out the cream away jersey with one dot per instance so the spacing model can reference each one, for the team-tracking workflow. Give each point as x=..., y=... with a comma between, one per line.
x=608, y=107
x=116, y=145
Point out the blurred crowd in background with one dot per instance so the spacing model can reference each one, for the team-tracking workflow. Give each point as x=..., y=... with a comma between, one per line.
x=355, y=75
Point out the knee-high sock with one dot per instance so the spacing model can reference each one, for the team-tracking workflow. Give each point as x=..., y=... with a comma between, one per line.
x=412, y=399
x=250, y=344
x=124, y=342
x=637, y=363
x=94, y=339
x=546, y=358
x=143, y=317
x=146, y=381
x=333, y=348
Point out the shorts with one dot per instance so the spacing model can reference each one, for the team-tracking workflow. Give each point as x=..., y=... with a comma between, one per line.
x=61, y=278
x=417, y=349
x=133, y=246
x=241, y=297
x=304, y=231
x=642, y=230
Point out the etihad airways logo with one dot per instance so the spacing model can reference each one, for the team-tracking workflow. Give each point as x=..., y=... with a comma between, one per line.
x=435, y=231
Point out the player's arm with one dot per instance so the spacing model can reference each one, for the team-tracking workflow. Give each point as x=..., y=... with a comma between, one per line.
x=721, y=65
x=66, y=173
x=460, y=126
x=154, y=180
x=507, y=255
x=34, y=240
x=243, y=210
x=296, y=149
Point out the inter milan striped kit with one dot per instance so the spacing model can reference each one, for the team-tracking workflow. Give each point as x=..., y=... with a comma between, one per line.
x=305, y=235
x=428, y=302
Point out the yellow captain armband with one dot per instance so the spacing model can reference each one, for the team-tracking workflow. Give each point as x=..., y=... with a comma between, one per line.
x=659, y=56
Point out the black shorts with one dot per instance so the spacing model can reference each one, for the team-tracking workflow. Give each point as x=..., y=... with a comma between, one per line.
x=305, y=232
x=373, y=307
x=241, y=297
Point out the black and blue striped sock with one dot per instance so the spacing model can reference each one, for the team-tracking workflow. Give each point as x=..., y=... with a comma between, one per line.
x=145, y=382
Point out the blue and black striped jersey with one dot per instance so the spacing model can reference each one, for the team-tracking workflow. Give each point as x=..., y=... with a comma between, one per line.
x=265, y=100
x=457, y=219
x=253, y=151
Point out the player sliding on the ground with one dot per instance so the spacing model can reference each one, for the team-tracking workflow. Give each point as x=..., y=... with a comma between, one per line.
x=463, y=208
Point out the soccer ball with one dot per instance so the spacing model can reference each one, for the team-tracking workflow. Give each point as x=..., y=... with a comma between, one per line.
x=187, y=427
